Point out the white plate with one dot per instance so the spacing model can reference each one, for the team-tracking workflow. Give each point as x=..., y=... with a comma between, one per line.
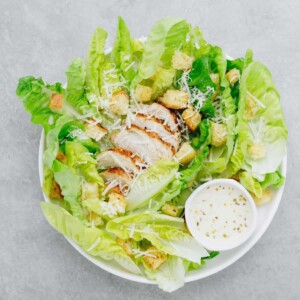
x=265, y=214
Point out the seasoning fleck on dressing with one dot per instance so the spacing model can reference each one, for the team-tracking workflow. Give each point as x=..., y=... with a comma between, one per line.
x=221, y=214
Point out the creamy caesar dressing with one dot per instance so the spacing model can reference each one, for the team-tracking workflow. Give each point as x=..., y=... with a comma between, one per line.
x=220, y=215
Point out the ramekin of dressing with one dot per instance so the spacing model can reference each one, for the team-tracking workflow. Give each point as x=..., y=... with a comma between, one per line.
x=221, y=214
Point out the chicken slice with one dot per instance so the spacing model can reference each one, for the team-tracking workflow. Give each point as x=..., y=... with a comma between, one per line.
x=119, y=158
x=116, y=175
x=152, y=124
x=147, y=145
x=160, y=112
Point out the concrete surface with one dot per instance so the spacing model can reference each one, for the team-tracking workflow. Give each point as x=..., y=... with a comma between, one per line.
x=40, y=38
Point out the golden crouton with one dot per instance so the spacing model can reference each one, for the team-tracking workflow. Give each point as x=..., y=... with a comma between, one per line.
x=143, y=93
x=118, y=201
x=185, y=153
x=119, y=103
x=126, y=245
x=251, y=108
x=56, y=101
x=89, y=191
x=218, y=134
x=181, y=61
x=55, y=191
x=174, y=99
x=257, y=150
x=233, y=76
x=95, y=219
x=61, y=157
x=94, y=131
x=216, y=80
x=154, y=258
x=170, y=209
x=192, y=118
x=266, y=197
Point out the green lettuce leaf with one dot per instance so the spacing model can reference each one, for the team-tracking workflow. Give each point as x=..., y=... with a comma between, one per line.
x=94, y=241
x=250, y=183
x=199, y=75
x=94, y=61
x=70, y=184
x=52, y=140
x=150, y=183
x=166, y=36
x=80, y=160
x=170, y=276
x=75, y=92
x=35, y=96
x=164, y=232
x=274, y=179
x=267, y=128
x=122, y=53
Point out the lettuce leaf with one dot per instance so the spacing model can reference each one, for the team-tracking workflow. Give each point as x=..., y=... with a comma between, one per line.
x=94, y=241
x=52, y=140
x=80, y=160
x=164, y=232
x=166, y=36
x=35, y=96
x=267, y=127
x=122, y=53
x=94, y=61
x=170, y=276
x=150, y=183
x=70, y=184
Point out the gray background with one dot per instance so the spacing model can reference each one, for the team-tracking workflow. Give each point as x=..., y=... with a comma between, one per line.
x=40, y=38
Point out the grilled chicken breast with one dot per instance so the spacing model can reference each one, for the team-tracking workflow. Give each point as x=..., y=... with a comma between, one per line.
x=152, y=124
x=160, y=112
x=148, y=145
x=119, y=158
x=116, y=174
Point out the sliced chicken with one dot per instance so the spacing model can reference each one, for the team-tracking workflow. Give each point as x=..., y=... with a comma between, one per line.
x=119, y=158
x=152, y=124
x=147, y=145
x=160, y=112
x=116, y=175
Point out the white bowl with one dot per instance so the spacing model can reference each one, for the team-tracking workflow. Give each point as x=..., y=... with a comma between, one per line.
x=265, y=214
x=208, y=243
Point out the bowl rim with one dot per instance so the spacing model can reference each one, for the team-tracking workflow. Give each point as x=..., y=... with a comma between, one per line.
x=190, y=276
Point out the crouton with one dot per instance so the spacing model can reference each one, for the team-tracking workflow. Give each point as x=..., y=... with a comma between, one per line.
x=181, y=61
x=55, y=191
x=94, y=131
x=118, y=201
x=266, y=197
x=233, y=76
x=119, y=103
x=174, y=99
x=185, y=153
x=95, y=219
x=143, y=93
x=192, y=118
x=89, y=191
x=257, y=150
x=218, y=135
x=170, y=209
x=56, y=101
x=61, y=157
x=154, y=258
x=126, y=245
x=216, y=80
